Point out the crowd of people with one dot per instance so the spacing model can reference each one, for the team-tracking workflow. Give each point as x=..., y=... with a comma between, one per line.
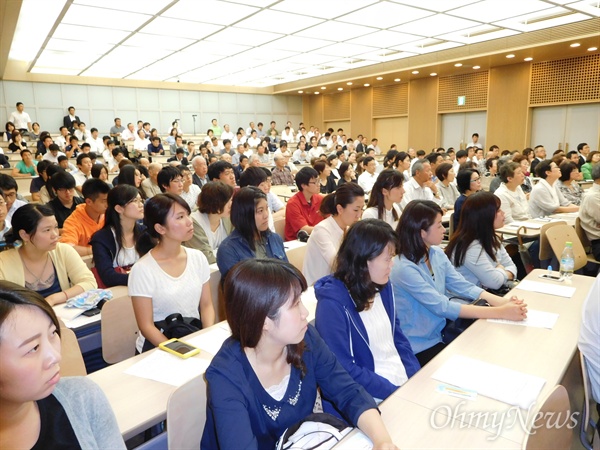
x=374, y=223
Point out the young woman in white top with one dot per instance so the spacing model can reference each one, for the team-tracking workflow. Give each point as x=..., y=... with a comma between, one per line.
x=211, y=220
x=445, y=174
x=385, y=197
x=475, y=249
x=402, y=164
x=344, y=207
x=169, y=278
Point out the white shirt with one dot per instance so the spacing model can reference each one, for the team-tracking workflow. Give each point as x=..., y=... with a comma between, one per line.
x=322, y=247
x=288, y=137
x=314, y=152
x=589, y=336
x=366, y=181
x=514, y=204
x=253, y=142
x=141, y=144
x=414, y=191
x=388, y=215
x=227, y=135
x=20, y=119
x=545, y=199
x=214, y=238
x=127, y=135
x=53, y=159
x=169, y=294
x=96, y=145
x=80, y=177
x=61, y=141
x=191, y=196
x=81, y=135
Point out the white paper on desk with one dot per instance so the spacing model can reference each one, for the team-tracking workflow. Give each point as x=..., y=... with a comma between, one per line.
x=532, y=225
x=210, y=341
x=490, y=380
x=67, y=314
x=169, y=369
x=546, y=288
x=536, y=319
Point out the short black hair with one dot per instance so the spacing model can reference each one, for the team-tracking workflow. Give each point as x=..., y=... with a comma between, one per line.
x=252, y=176
x=93, y=187
x=215, y=169
x=62, y=180
x=304, y=176
x=81, y=157
x=166, y=175
x=7, y=183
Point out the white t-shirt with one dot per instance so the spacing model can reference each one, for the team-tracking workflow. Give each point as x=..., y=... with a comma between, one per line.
x=388, y=216
x=191, y=196
x=169, y=294
x=381, y=342
x=321, y=250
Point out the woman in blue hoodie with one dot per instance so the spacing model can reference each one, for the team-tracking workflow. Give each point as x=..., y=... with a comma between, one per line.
x=355, y=311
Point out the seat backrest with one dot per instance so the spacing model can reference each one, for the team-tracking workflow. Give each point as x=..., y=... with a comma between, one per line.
x=71, y=364
x=186, y=414
x=559, y=235
x=280, y=227
x=545, y=248
x=543, y=433
x=584, y=428
x=581, y=234
x=451, y=226
x=296, y=256
x=119, y=329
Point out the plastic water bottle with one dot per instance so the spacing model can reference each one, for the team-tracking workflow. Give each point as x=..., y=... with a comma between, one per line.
x=567, y=262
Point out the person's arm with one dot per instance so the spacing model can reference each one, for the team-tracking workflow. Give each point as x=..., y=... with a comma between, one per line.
x=501, y=308
x=294, y=218
x=227, y=257
x=70, y=236
x=506, y=208
x=207, y=309
x=103, y=261
x=371, y=424
x=16, y=173
x=490, y=273
x=73, y=273
x=144, y=317
x=565, y=205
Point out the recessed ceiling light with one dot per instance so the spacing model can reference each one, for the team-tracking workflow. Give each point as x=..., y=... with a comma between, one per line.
x=340, y=89
x=349, y=83
x=317, y=92
x=575, y=44
x=433, y=74
x=510, y=56
x=323, y=87
x=300, y=92
x=458, y=65
x=366, y=85
x=414, y=72
x=396, y=79
x=529, y=58
x=592, y=49
x=379, y=78
x=476, y=67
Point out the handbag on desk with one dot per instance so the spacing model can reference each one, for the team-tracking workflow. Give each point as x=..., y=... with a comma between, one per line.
x=454, y=328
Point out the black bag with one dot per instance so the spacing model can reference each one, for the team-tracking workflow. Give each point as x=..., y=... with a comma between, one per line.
x=454, y=328
x=175, y=326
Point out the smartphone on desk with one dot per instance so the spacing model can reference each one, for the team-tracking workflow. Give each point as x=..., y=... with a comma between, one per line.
x=551, y=277
x=179, y=348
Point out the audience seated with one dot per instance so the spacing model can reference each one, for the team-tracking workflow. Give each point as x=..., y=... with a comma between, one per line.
x=468, y=181
x=170, y=180
x=302, y=210
x=4, y=222
x=589, y=213
x=66, y=199
x=545, y=198
x=514, y=203
x=446, y=186
x=113, y=246
x=475, y=249
x=593, y=159
x=25, y=168
x=421, y=277
x=221, y=171
x=43, y=264
x=385, y=197
x=251, y=237
x=87, y=218
x=189, y=191
x=169, y=278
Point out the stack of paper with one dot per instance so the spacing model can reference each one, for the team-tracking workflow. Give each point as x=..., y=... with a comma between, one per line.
x=537, y=319
x=169, y=369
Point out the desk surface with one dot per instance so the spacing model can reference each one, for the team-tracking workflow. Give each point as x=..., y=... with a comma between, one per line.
x=534, y=232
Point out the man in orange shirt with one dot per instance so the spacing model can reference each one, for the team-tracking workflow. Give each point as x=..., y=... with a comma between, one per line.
x=87, y=217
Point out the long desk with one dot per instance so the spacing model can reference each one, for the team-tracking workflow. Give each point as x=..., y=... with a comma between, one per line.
x=535, y=351
x=533, y=231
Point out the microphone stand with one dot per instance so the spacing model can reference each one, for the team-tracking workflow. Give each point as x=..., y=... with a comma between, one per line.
x=194, y=117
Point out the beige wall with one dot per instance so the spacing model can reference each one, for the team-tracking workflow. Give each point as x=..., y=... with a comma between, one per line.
x=391, y=130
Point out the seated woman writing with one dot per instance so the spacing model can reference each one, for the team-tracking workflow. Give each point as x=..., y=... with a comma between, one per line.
x=43, y=264
x=265, y=376
x=355, y=311
x=421, y=276
x=41, y=410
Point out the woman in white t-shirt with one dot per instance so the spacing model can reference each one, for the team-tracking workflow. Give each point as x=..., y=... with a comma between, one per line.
x=211, y=220
x=344, y=207
x=385, y=197
x=169, y=278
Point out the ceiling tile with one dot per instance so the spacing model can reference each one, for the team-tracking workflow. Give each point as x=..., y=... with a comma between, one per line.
x=277, y=22
x=240, y=36
x=72, y=60
x=335, y=31
x=591, y=7
x=297, y=44
x=385, y=55
x=164, y=26
x=215, y=48
x=209, y=11
x=145, y=40
x=115, y=20
x=318, y=8
x=436, y=5
x=144, y=6
x=492, y=10
x=478, y=34
x=435, y=25
x=384, y=39
x=544, y=19
x=384, y=15
x=427, y=46
x=55, y=71
x=89, y=34
x=78, y=46
x=343, y=50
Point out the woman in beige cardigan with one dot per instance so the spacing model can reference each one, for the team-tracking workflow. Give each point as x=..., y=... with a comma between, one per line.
x=42, y=264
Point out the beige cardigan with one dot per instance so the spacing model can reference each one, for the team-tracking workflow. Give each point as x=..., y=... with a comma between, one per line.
x=70, y=268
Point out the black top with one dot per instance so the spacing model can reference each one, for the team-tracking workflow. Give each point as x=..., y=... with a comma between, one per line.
x=15, y=148
x=56, y=432
x=36, y=184
x=60, y=211
x=329, y=187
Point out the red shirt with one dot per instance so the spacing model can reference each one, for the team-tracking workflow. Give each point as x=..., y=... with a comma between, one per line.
x=299, y=213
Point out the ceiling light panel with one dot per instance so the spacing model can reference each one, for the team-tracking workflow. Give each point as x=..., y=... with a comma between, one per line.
x=310, y=58
x=144, y=6
x=69, y=45
x=591, y=7
x=544, y=19
x=209, y=11
x=89, y=34
x=320, y=8
x=427, y=46
x=164, y=26
x=436, y=5
x=385, y=55
x=70, y=60
x=384, y=15
x=475, y=35
x=343, y=50
x=115, y=19
x=436, y=25
x=278, y=22
x=384, y=37
x=336, y=31
x=493, y=11
x=145, y=40
x=296, y=44
x=202, y=48
x=240, y=36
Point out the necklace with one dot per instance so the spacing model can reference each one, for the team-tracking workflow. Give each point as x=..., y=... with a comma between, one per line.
x=37, y=279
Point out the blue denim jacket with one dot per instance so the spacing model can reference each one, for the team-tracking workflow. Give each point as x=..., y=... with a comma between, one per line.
x=235, y=249
x=422, y=304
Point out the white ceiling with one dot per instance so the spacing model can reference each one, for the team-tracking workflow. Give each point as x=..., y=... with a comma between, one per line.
x=261, y=43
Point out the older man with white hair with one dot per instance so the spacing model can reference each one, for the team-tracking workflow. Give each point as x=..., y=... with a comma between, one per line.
x=150, y=184
x=200, y=170
x=281, y=172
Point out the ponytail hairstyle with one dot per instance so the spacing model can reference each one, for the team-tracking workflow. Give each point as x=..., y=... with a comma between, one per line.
x=343, y=196
x=387, y=179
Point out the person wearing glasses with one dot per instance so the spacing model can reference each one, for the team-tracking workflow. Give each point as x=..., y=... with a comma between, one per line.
x=170, y=180
x=468, y=181
x=113, y=246
x=545, y=197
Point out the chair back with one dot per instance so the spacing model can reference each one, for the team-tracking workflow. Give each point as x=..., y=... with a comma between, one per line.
x=545, y=248
x=543, y=433
x=296, y=256
x=582, y=235
x=451, y=226
x=280, y=227
x=119, y=329
x=186, y=414
x=72, y=364
x=587, y=425
x=89, y=261
x=558, y=236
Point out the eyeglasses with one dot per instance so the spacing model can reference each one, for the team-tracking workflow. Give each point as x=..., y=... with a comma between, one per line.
x=177, y=180
x=476, y=180
x=11, y=195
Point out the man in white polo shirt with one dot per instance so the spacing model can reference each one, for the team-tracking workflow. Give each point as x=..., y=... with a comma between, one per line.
x=420, y=186
x=21, y=119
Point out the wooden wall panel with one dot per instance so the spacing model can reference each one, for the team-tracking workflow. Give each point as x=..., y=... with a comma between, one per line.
x=507, y=117
x=361, y=112
x=474, y=86
x=315, y=112
x=389, y=101
x=423, y=123
x=336, y=106
x=391, y=130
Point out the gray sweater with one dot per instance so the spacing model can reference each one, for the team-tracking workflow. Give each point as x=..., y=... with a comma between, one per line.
x=90, y=414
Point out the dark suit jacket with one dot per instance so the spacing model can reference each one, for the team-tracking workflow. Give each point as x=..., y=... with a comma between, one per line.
x=69, y=124
x=534, y=163
x=184, y=161
x=198, y=181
